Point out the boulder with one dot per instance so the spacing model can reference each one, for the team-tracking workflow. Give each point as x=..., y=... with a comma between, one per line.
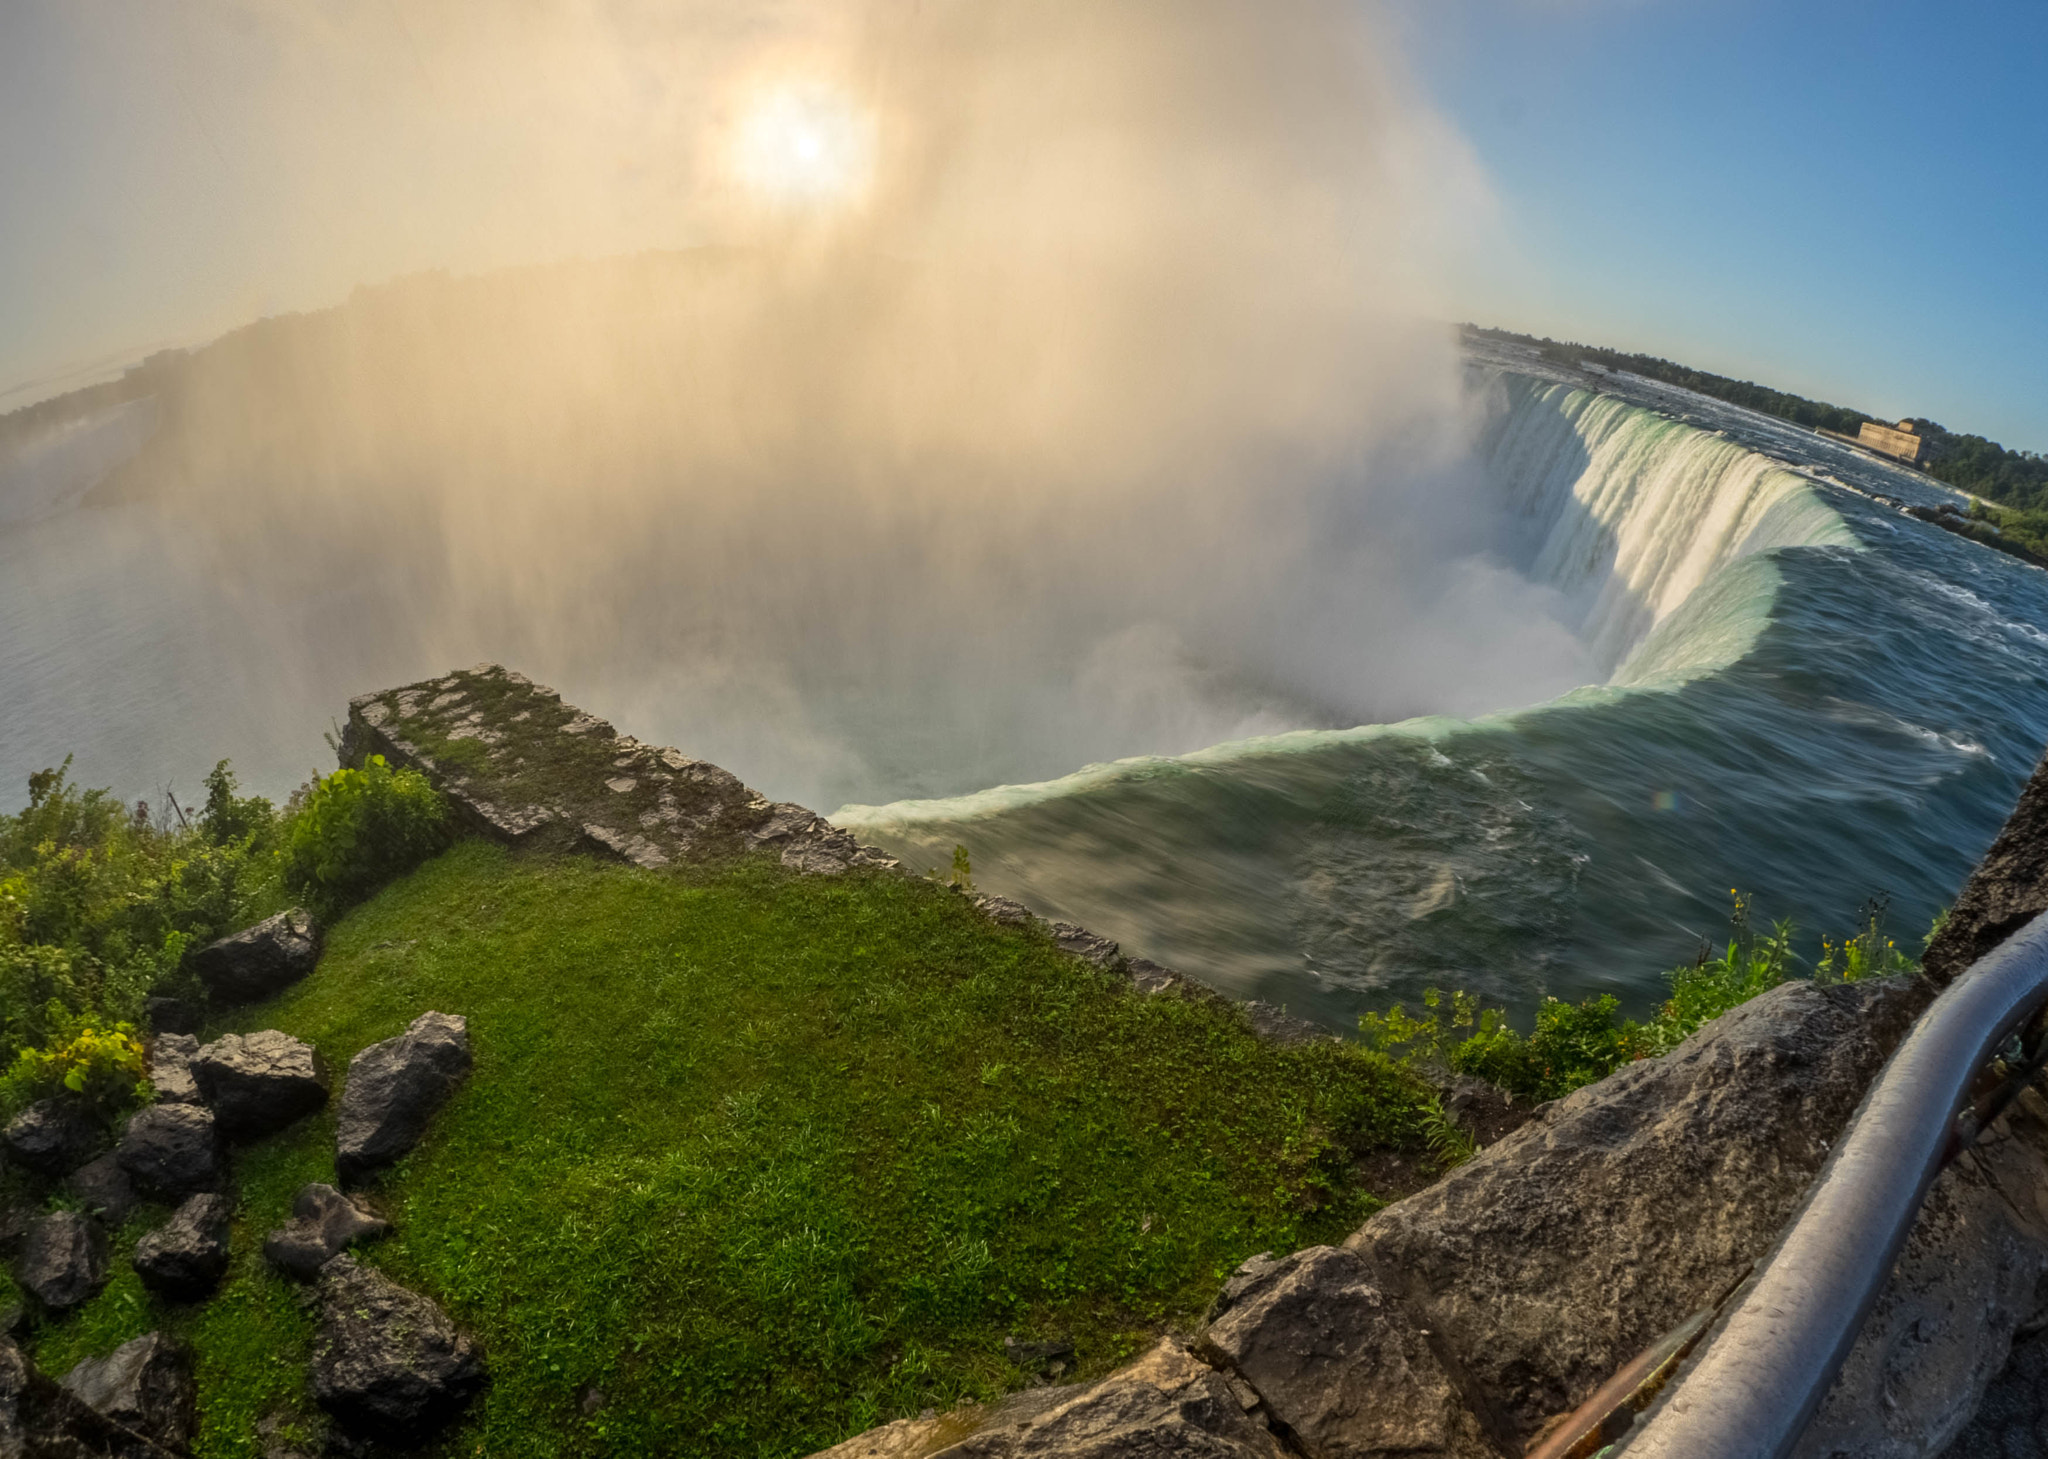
x=40, y=1420
x=172, y=1150
x=185, y=1258
x=173, y=1015
x=260, y=1082
x=393, y=1090
x=51, y=1136
x=170, y=1069
x=145, y=1385
x=261, y=961
x=324, y=1224
x=103, y=1187
x=387, y=1362
x=63, y=1262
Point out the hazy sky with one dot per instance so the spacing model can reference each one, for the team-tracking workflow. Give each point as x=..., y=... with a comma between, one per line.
x=1847, y=199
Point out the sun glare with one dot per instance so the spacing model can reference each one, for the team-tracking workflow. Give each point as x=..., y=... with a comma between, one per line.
x=805, y=148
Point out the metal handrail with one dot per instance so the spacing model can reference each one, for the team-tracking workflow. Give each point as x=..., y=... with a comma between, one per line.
x=1753, y=1389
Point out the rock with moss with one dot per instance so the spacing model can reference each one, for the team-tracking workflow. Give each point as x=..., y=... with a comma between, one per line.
x=63, y=1261
x=261, y=961
x=185, y=1258
x=324, y=1224
x=387, y=1362
x=258, y=1083
x=393, y=1090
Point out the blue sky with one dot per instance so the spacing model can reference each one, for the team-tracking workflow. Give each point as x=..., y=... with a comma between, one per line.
x=1848, y=200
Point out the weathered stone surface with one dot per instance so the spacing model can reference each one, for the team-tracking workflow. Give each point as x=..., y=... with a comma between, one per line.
x=1003, y=911
x=1277, y=1026
x=1337, y=1361
x=170, y=1069
x=172, y=1150
x=1973, y=1273
x=63, y=1262
x=1556, y=1255
x=173, y=1015
x=258, y=1083
x=393, y=1090
x=387, y=1362
x=324, y=1224
x=40, y=1420
x=51, y=1136
x=917, y=1438
x=1488, y=1112
x=186, y=1257
x=145, y=1385
x=261, y=961
x=103, y=1188
x=1085, y=944
x=2008, y=888
x=2012, y=1420
x=1166, y=1405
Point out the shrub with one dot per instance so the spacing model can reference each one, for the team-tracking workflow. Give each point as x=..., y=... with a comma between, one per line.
x=360, y=828
x=103, y=1067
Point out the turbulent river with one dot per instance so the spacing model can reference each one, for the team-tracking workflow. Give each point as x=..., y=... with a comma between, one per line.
x=1804, y=694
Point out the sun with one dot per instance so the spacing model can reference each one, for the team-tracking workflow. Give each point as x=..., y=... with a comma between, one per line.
x=809, y=147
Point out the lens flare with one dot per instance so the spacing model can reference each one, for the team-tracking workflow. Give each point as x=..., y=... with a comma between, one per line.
x=806, y=148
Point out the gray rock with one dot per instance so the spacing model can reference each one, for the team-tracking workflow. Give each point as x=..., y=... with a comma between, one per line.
x=393, y=1090
x=170, y=1069
x=14, y=1224
x=1166, y=1405
x=185, y=1258
x=1004, y=912
x=1085, y=944
x=2008, y=888
x=40, y=1420
x=260, y=961
x=387, y=1362
x=63, y=1263
x=2012, y=1421
x=173, y=1015
x=145, y=1385
x=172, y=1150
x=260, y=1082
x=324, y=1224
x=1277, y=1026
x=51, y=1136
x=1339, y=1362
x=104, y=1188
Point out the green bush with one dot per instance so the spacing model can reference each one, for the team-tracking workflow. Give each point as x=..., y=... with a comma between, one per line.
x=359, y=828
x=103, y=1068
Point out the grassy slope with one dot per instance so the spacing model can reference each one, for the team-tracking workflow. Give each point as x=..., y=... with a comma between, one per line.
x=768, y=1159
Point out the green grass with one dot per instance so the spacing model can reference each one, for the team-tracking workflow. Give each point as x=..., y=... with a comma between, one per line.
x=767, y=1160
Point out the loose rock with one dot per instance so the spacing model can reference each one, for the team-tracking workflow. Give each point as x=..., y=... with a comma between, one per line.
x=1085, y=944
x=186, y=1257
x=104, y=1188
x=63, y=1262
x=324, y=1224
x=387, y=1362
x=170, y=1069
x=262, y=961
x=51, y=1136
x=172, y=1150
x=258, y=1083
x=173, y=1015
x=393, y=1090
x=144, y=1385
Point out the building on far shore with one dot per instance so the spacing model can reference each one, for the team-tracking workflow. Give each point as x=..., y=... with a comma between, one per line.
x=1902, y=442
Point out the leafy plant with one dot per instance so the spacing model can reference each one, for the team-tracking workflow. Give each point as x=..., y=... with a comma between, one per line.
x=103, y=1068
x=359, y=828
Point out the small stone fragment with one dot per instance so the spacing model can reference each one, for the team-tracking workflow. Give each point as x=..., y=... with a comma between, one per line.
x=258, y=1083
x=393, y=1090
x=1085, y=944
x=261, y=961
x=51, y=1136
x=186, y=1257
x=387, y=1362
x=144, y=1385
x=63, y=1262
x=104, y=1188
x=170, y=1069
x=324, y=1224
x=172, y=1150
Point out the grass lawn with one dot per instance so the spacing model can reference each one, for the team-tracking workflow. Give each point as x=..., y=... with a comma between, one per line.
x=763, y=1160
